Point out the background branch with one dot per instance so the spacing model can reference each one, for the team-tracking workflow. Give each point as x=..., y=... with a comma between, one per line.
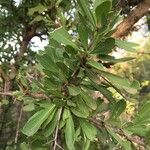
x=135, y=15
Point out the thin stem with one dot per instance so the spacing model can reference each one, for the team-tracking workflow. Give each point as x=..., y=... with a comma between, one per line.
x=56, y=131
x=60, y=147
x=6, y=93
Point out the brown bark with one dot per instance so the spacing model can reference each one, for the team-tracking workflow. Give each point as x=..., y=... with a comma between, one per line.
x=30, y=32
x=135, y=15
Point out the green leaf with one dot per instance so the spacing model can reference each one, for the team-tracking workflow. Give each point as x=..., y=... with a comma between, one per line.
x=101, y=8
x=55, y=92
x=102, y=106
x=73, y=90
x=49, y=118
x=135, y=85
x=138, y=129
x=83, y=34
x=103, y=90
x=97, y=3
x=62, y=36
x=39, y=8
x=62, y=76
x=82, y=106
x=86, y=144
x=112, y=59
x=24, y=146
x=59, y=102
x=46, y=61
x=88, y=129
x=104, y=47
x=115, y=17
x=62, y=124
x=78, y=112
x=29, y=107
x=84, y=5
x=92, y=75
x=71, y=103
x=83, y=20
x=96, y=65
x=124, y=143
x=81, y=109
x=63, y=68
x=128, y=46
x=120, y=81
x=119, y=108
x=88, y=100
x=77, y=134
x=34, y=123
x=70, y=132
x=54, y=51
x=44, y=104
x=52, y=125
x=71, y=64
x=51, y=83
x=70, y=50
x=37, y=19
x=65, y=114
x=143, y=116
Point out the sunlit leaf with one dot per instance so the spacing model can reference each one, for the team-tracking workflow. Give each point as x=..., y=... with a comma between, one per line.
x=62, y=36
x=79, y=113
x=66, y=114
x=29, y=107
x=49, y=118
x=88, y=129
x=52, y=125
x=39, y=8
x=24, y=146
x=70, y=132
x=73, y=90
x=128, y=46
x=96, y=65
x=120, y=81
x=47, y=63
x=112, y=59
x=35, y=122
x=101, y=8
x=86, y=144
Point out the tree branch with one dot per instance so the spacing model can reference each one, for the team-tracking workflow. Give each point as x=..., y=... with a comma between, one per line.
x=34, y=95
x=2, y=75
x=30, y=32
x=100, y=125
x=135, y=15
x=56, y=132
